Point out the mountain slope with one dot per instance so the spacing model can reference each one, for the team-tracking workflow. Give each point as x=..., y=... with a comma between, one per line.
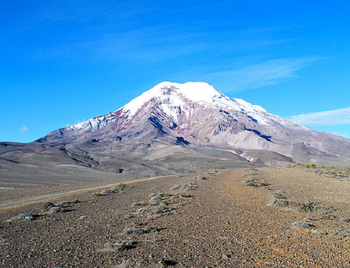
x=175, y=128
x=197, y=114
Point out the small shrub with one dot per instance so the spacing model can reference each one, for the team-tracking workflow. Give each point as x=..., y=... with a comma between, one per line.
x=185, y=195
x=122, y=186
x=300, y=224
x=163, y=203
x=23, y=216
x=105, y=192
x=114, y=189
x=134, y=230
x=257, y=184
x=139, y=204
x=57, y=209
x=199, y=179
x=97, y=194
x=46, y=206
x=305, y=206
x=279, y=203
x=187, y=186
x=328, y=217
x=155, y=200
x=277, y=196
x=175, y=187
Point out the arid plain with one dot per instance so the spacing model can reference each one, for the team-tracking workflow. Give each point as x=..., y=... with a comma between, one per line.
x=267, y=217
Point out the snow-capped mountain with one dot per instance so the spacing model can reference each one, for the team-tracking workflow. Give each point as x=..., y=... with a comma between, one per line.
x=180, y=106
x=196, y=114
x=171, y=128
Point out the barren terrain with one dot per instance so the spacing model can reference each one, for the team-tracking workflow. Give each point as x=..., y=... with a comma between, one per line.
x=266, y=217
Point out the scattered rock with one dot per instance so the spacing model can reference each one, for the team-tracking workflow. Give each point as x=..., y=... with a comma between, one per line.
x=165, y=263
x=185, y=195
x=57, y=209
x=139, y=204
x=300, y=224
x=97, y=194
x=175, y=187
x=67, y=203
x=118, y=245
x=277, y=196
x=23, y=217
x=46, y=206
x=115, y=189
x=199, y=179
x=128, y=216
x=105, y=192
x=122, y=186
x=141, y=230
x=309, y=219
x=187, y=186
x=155, y=200
x=344, y=230
x=135, y=230
x=250, y=179
x=344, y=220
x=144, y=211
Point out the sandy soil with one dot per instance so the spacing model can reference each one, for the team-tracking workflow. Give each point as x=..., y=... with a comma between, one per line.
x=222, y=223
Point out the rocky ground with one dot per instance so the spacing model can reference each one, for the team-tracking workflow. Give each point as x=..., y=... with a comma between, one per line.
x=266, y=217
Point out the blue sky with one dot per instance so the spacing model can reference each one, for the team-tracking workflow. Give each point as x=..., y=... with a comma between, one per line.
x=63, y=62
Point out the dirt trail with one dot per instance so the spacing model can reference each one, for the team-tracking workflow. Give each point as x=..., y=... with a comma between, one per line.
x=23, y=201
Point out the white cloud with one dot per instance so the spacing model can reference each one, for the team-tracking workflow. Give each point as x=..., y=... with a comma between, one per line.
x=326, y=118
x=264, y=74
x=24, y=128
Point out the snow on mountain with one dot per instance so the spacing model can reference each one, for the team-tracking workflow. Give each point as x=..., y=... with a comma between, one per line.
x=200, y=93
x=197, y=114
x=180, y=95
x=184, y=104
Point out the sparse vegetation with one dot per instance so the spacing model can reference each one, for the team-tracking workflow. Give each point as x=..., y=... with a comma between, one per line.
x=175, y=187
x=165, y=263
x=123, y=227
x=304, y=225
x=278, y=200
x=97, y=194
x=57, y=209
x=199, y=178
x=254, y=182
x=304, y=206
x=105, y=192
x=122, y=186
x=23, y=217
x=185, y=195
x=46, y=206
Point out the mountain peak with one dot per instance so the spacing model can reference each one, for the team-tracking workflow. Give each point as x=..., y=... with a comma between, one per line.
x=198, y=92
x=195, y=113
